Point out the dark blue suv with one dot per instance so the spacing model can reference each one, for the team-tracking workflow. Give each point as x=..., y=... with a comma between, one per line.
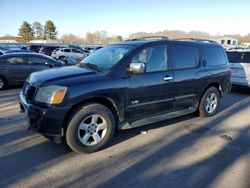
x=125, y=85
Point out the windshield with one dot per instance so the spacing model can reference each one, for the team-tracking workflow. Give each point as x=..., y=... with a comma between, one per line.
x=105, y=58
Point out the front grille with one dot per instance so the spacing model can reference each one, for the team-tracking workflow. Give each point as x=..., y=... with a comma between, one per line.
x=28, y=91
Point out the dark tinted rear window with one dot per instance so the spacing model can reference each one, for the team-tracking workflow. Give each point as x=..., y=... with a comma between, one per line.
x=185, y=56
x=238, y=57
x=215, y=56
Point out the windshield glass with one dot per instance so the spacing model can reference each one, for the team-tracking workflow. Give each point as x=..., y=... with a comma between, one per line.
x=105, y=58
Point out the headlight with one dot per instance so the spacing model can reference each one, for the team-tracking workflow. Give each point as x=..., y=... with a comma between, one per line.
x=51, y=94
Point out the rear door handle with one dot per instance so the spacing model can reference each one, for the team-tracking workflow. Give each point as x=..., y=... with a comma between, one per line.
x=168, y=78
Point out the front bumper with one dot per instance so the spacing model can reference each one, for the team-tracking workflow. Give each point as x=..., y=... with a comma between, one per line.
x=47, y=121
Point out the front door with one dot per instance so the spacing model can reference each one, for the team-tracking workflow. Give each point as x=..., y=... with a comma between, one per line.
x=151, y=93
x=17, y=69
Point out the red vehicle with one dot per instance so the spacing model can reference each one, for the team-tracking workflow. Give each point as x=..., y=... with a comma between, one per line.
x=47, y=50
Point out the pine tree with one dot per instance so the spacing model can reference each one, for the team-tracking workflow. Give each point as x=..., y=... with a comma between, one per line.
x=50, y=30
x=25, y=32
x=38, y=30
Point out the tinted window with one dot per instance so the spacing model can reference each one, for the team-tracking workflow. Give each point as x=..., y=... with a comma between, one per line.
x=36, y=60
x=154, y=57
x=14, y=60
x=238, y=57
x=75, y=51
x=185, y=56
x=215, y=56
x=66, y=50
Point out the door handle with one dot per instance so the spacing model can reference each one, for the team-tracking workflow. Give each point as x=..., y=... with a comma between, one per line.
x=168, y=78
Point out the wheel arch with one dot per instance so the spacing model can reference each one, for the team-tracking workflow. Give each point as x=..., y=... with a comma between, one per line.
x=213, y=84
x=107, y=102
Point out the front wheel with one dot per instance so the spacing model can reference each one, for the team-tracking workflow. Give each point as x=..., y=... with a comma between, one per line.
x=3, y=83
x=90, y=128
x=210, y=102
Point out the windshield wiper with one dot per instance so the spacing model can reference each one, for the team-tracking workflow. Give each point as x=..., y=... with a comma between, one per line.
x=89, y=65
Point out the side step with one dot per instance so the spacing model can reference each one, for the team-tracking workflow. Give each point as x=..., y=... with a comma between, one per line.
x=157, y=118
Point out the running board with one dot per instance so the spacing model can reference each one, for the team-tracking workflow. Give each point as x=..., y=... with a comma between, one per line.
x=155, y=119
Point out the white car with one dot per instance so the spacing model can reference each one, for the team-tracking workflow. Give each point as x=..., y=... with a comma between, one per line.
x=240, y=65
x=68, y=52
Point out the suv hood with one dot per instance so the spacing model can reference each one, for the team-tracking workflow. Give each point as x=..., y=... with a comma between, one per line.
x=58, y=74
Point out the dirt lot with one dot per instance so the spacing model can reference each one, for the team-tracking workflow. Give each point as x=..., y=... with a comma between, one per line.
x=183, y=152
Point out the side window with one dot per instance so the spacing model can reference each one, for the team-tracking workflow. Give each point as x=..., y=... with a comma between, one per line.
x=36, y=60
x=14, y=60
x=185, y=56
x=155, y=58
x=75, y=51
x=215, y=56
x=67, y=50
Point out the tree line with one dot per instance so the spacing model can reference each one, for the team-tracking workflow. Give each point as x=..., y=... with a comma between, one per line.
x=174, y=34
x=28, y=32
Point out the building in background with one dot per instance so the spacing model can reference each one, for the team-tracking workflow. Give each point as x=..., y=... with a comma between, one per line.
x=227, y=42
x=8, y=39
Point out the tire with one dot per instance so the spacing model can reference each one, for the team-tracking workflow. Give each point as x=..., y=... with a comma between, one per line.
x=3, y=83
x=61, y=58
x=85, y=121
x=209, y=103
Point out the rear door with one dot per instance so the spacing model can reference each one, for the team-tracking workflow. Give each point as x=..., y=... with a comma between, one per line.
x=185, y=59
x=151, y=93
x=68, y=53
x=17, y=69
x=78, y=55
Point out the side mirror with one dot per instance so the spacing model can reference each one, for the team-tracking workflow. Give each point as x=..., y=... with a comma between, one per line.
x=137, y=68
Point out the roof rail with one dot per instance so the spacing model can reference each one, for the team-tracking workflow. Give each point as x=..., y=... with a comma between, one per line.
x=197, y=39
x=149, y=37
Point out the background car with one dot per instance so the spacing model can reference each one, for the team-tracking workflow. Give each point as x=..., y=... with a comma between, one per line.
x=47, y=50
x=16, y=67
x=240, y=65
x=68, y=52
x=15, y=51
x=34, y=48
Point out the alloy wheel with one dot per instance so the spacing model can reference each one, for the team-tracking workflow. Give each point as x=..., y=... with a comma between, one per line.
x=92, y=130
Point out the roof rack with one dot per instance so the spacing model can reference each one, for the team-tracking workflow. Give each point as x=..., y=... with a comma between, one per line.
x=197, y=39
x=149, y=37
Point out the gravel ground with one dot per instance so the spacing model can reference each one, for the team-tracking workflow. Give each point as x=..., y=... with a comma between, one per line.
x=184, y=152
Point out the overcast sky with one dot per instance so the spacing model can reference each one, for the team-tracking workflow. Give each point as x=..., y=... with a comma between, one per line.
x=120, y=17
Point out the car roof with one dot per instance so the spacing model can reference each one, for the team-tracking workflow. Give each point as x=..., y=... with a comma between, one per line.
x=192, y=42
x=24, y=54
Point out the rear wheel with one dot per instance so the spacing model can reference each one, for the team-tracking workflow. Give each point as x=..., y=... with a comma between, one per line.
x=90, y=128
x=3, y=83
x=210, y=102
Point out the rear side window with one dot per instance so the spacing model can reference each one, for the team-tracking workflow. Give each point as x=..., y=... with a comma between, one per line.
x=75, y=51
x=215, y=56
x=36, y=60
x=238, y=57
x=184, y=56
x=14, y=60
